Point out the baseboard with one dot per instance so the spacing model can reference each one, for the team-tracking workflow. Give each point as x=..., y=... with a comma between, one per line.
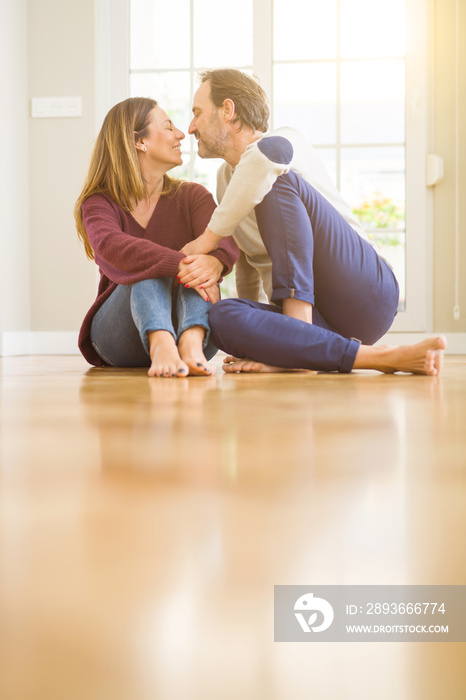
x=66, y=342
x=39, y=343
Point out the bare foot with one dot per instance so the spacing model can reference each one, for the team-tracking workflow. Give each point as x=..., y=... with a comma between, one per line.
x=191, y=352
x=235, y=364
x=165, y=359
x=425, y=357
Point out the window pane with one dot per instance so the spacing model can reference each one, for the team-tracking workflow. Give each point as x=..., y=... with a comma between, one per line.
x=304, y=98
x=222, y=33
x=304, y=30
x=205, y=170
x=373, y=183
x=159, y=34
x=170, y=89
x=371, y=29
x=373, y=108
x=329, y=158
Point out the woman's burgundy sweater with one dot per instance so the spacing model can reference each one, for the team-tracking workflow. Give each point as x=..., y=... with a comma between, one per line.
x=126, y=252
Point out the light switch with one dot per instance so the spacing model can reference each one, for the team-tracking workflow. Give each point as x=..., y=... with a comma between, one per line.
x=56, y=107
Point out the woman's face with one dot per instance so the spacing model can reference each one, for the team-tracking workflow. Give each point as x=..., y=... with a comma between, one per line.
x=163, y=142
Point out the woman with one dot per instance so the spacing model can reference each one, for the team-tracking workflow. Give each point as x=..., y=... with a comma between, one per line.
x=133, y=220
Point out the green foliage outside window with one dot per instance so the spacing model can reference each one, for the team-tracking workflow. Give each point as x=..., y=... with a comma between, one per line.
x=228, y=286
x=381, y=213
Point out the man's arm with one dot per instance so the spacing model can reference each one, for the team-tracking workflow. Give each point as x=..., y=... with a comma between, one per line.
x=205, y=243
x=261, y=164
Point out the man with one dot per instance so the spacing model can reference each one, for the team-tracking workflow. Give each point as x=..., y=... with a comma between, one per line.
x=230, y=119
x=301, y=248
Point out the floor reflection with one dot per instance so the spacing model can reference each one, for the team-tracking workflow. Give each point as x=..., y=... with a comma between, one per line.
x=145, y=523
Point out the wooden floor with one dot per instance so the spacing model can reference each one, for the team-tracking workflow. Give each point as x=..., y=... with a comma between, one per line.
x=145, y=522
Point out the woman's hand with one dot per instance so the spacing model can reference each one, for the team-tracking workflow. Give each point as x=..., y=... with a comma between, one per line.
x=206, y=242
x=199, y=270
x=211, y=294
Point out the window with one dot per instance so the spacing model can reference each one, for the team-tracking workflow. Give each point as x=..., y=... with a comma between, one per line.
x=170, y=43
x=350, y=74
x=339, y=77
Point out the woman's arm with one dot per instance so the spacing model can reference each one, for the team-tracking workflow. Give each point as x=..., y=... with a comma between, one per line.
x=260, y=165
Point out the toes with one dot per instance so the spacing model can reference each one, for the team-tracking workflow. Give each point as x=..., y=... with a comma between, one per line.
x=200, y=368
x=231, y=367
x=438, y=360
x=249, y=366
x=442, y=342
x=230, y=358
x=429, y=362
x=156, y=371
x=432, y=368
x=167, y=372
x=242, y=366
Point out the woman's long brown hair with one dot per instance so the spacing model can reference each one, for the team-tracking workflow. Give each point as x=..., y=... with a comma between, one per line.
x=114, y=168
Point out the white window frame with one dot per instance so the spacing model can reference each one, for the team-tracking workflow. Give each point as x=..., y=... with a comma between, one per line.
x=112, y=85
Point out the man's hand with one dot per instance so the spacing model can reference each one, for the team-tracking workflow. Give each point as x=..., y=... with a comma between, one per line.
x=197, y=270
x=206, y=242
x=213, y=293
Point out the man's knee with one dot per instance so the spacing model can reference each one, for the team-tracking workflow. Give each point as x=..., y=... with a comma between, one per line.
x=219, y=313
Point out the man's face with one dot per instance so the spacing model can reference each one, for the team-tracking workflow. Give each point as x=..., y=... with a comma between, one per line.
x=206, y=125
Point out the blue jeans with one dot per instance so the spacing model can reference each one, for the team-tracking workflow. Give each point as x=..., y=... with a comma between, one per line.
x=120, y=327
x=318, y=258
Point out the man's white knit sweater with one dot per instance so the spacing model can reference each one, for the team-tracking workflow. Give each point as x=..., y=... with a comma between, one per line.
x=241, y=189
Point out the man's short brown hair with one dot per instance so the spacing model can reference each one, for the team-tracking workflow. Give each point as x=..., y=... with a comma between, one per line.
x=251, y=104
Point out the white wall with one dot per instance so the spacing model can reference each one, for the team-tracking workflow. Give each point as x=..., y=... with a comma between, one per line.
x=61, y=63
x=14, y=188
x=450, y=254
x=46, y=283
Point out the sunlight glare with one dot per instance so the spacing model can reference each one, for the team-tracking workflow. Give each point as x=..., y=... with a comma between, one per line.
x=372, y=29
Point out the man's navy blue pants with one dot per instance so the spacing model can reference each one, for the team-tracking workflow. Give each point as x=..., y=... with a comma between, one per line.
x=319, y=258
